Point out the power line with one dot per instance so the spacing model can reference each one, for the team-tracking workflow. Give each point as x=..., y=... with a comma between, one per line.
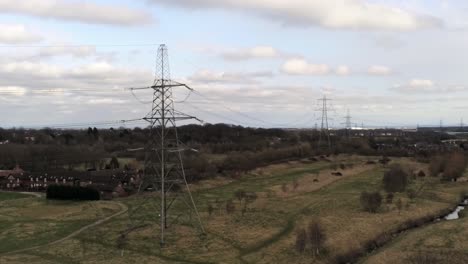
x=79, y=45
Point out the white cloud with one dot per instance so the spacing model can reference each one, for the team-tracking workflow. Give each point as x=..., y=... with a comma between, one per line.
x=419, y=83
x=342, y=70
x=251, y=53
x=427, y=86
x=74, y=51
x=299, y=66
x=35, y=76
x=208, y=76
x=17, y=34
x=77, y=10
x=335, y=14
x=12, y=90
x=379, y=70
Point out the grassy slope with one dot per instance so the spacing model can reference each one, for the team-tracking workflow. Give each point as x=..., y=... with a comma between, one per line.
x=265, y=234
x=443, y=242
x=34, y=221
x=12, y=195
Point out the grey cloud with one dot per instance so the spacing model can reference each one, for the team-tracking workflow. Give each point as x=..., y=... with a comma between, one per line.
x=334, y=14
x=78, y=11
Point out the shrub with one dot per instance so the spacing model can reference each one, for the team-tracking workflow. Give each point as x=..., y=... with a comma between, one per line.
x=436, y=165
x=455, y=166
x=316, y=237
x=210, y=209
x=65, y=192
x=411, y=193
x=395, y=179
x=399, y=205
x=371, y=202
x=239, y=194
x=295, y=184
x=301, y=240
x=389, y=198
x=230, y=207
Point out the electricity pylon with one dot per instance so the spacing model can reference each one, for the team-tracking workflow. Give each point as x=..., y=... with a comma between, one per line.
x=164, y=169
x=324, y=129
x=348, y=124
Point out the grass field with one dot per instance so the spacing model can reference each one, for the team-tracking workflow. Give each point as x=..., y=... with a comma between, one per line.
x=12, y=195
x=264, y=234
x=442, y=242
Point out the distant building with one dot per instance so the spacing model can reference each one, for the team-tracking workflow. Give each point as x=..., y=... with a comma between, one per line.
x=109, y=182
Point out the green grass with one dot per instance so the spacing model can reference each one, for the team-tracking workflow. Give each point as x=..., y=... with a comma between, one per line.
x=12, y=195
x=265, y=234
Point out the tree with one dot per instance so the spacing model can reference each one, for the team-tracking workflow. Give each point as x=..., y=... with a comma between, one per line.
x=436, y=165
x=295, y=184
x=114, y=163
x=371, y=202
x=249, y=198
x=399, y=205
x=301, y=240
x=389, y=198
x=239, y=194
x=230, y=207
x=95, y=133
x=395, y=179
x=210, y=209
x=455, y=166
x=316, y=237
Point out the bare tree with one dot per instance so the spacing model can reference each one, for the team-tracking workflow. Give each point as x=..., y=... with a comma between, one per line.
x=316, y=237
x=301, y=240
x=230, y=207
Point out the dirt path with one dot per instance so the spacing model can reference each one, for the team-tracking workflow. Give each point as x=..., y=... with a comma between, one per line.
x=38, y=195
x=123, y=210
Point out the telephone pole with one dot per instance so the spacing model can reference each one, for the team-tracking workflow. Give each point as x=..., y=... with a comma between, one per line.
x=164, y=169
x=324, y=129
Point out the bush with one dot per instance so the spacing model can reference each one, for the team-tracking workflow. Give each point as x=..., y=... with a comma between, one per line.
x=455, y=166
x=411, y=193
x=316, y=237
x=395, y=179
x=371, y=202
x=230, y=207
x=389, y=198
x=436, y=165
x=301, y=240
x=65, y=192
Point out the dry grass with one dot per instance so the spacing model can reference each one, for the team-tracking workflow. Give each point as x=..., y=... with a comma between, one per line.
x=446, y=239
x=265, y=234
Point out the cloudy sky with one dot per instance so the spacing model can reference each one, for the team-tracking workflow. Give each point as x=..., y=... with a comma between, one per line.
x=252, y=62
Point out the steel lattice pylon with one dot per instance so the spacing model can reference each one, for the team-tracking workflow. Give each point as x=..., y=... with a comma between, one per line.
x=164, y=169
x=324, y=129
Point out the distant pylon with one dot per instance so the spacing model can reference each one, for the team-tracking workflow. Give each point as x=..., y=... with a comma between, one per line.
x=164, y=169
x=324, y=129
x=462, y=125
x=348, y=120
x=348, y=124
